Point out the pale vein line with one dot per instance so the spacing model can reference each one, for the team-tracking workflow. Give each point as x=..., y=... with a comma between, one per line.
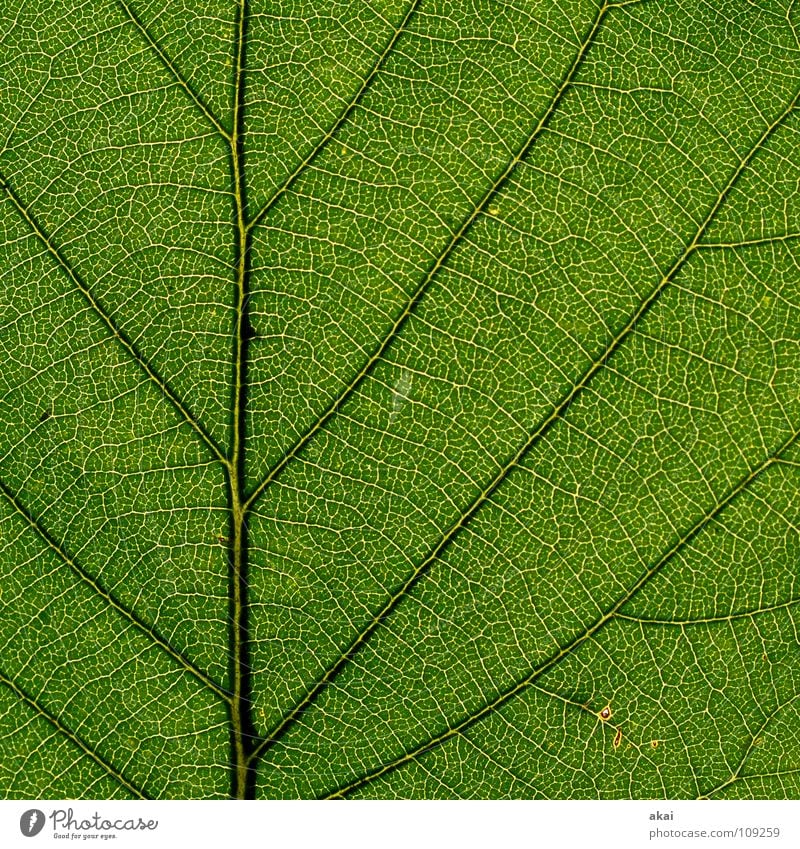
x=730, y=617
x=571, y=647
x=287, y=183
x=606, y=728
x=425, y=283
x=312, y=693
x=753, y=775
x=193, y=95
x=556, y=414
x=736, y=774
x=72, y=737
x=746, y=243
x=129, y=347
x=92, y=582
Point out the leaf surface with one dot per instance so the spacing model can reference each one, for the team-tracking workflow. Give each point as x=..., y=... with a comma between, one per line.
x=399, y=399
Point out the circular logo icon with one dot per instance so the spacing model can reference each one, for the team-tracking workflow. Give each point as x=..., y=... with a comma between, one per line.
x=31, y=822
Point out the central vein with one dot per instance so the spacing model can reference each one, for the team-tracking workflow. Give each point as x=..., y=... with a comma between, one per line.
x=241, y=722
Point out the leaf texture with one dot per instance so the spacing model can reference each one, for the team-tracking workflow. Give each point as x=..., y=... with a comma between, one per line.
x=400, y=399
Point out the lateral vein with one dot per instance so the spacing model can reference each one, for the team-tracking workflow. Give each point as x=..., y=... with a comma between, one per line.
x=343, y=116
x=535, y=435
x=736, y=775
x=170, y=66
x=583, y=637
x=312, y=693
x=425, y=283
x=114, y=603
x=72, y=736
x=109, y=322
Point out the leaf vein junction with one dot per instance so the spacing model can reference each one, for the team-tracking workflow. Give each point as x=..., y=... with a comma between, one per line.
x=109, y=322
x=583, y=637
x=113, y=602
x=540, y=430
x=171, y=67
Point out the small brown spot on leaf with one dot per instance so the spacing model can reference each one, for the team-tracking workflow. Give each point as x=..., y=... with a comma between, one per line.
x=617, y=738
x=605, y=713
x=654, y=743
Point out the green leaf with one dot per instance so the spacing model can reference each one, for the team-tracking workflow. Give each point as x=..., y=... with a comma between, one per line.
x=399, y=398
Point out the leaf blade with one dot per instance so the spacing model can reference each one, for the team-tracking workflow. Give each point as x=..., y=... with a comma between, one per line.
x=412, y=421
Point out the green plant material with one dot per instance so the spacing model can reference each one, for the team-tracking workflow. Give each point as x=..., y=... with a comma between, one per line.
x=399, y=398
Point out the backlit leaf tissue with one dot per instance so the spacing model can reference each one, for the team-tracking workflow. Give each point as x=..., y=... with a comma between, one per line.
x=399, y=399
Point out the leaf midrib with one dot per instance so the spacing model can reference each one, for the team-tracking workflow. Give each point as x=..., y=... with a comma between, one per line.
x=244, y=227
